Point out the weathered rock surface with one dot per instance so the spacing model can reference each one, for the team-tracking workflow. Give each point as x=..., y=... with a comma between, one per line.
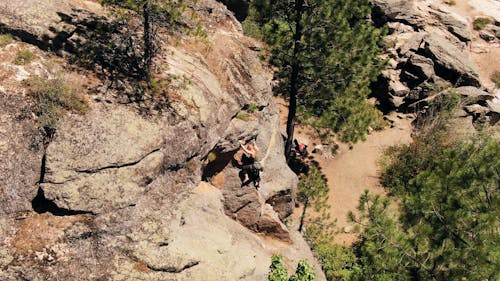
x=20, y=158
x=125, y=195
x=452, y=62
x=431, y=56
x=402, y=11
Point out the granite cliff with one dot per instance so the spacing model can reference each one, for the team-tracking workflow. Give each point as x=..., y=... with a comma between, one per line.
x=123, y=194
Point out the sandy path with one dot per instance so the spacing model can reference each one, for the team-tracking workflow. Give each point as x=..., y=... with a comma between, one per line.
x=353, y=170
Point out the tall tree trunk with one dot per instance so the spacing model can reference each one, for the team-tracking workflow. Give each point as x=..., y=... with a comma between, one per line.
x=303, y=216
x=148, y=42
x=294, y=78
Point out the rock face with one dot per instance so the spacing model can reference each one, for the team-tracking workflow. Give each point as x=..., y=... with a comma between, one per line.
x=429, y=54
x=122, y=195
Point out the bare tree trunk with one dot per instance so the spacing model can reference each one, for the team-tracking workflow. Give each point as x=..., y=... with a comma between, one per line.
x=294, y=78
x=303, y=216
x=148, y=42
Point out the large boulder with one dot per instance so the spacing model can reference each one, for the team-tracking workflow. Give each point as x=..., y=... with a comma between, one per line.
x=451, y=61
x=404, y=11
x=454, y=23
x=418, y=69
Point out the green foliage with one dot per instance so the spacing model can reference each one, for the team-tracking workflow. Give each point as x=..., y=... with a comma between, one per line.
x=252, y=108
x=453, y=211
x=251, y=28
x=24, y=57
x=52, y=99
x=495, y=77
x=277, y=269
x=338, y=263
x=278, y=272
x=303, y=273
x=5, y=39
x=449, y=209
x=313, y=189
x=480, y=23
x=337, y=55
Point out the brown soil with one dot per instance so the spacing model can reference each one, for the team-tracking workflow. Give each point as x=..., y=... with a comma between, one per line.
x=354, y=170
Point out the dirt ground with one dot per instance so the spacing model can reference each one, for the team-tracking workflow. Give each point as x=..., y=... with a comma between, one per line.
x=354, y=170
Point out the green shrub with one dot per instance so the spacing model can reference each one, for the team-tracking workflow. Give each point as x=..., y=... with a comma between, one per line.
x=278, y=272
x=5, y=39
x=52, y=99
x=252, y=108
x=495, y=77
x=480, y=23
x=24, y=57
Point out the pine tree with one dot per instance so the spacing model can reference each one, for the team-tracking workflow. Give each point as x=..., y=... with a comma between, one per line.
x=326, y=56
x=153, y=13
x=313, y=191
x=448, y=225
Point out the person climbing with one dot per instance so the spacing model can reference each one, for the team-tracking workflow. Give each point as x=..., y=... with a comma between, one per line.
x=251, y=168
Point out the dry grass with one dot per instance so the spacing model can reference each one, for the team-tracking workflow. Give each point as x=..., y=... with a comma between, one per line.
x=24, y=57
x=480, y=23
x=53, y=97
x=5, y=39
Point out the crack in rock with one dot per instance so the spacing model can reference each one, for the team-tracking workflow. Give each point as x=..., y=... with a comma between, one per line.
x=173, y=269
x=115, y=166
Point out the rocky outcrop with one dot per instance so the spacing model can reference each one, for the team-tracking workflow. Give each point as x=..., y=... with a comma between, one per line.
x=402, y=11
x=123, y=195
x=428, y=54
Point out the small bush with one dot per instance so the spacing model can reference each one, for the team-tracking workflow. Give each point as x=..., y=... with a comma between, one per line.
x=24, y=57
x=52, y=99
x=278, y=271
x=5, y=39
x=495, y=77
x=252, y=108
x=450, y=2
x=480, y=23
